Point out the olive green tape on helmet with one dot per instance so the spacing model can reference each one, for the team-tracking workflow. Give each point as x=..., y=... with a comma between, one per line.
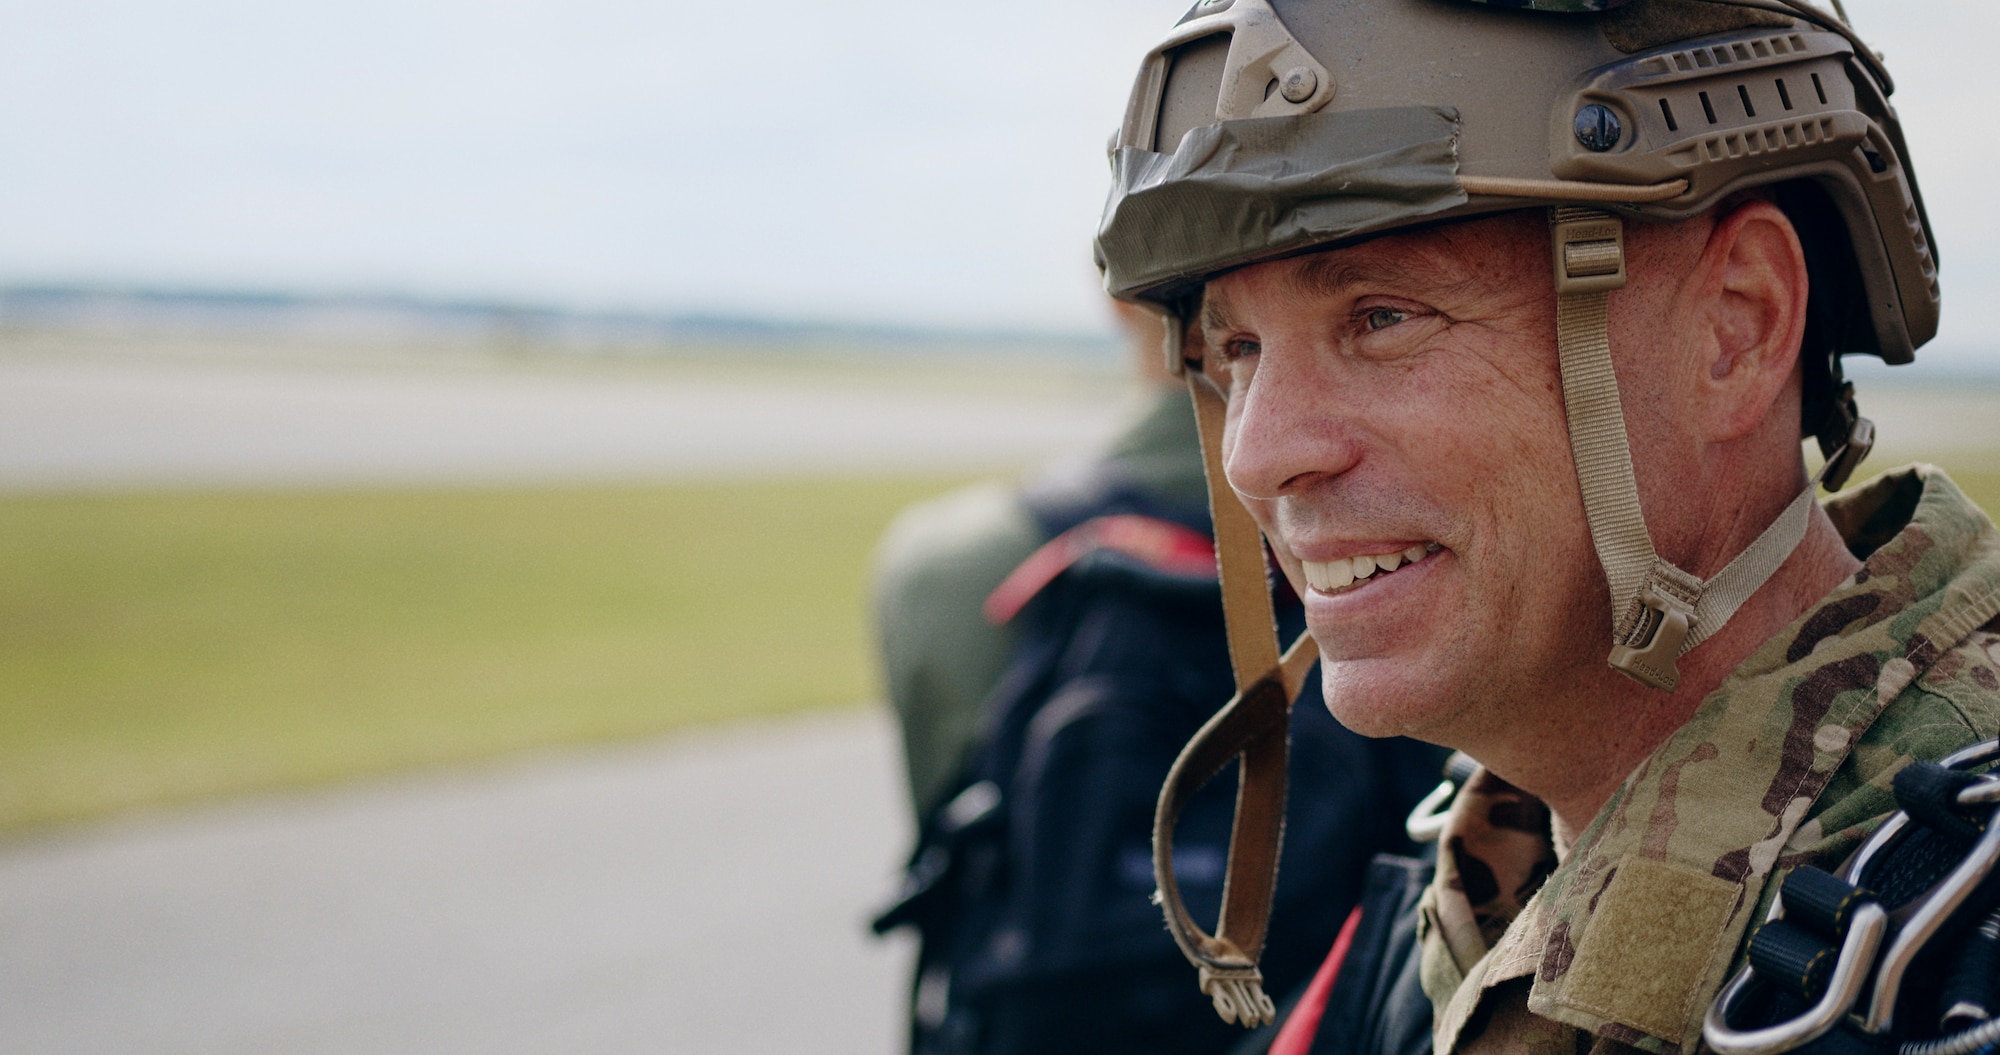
x=1564, y=6
x=1246, y=190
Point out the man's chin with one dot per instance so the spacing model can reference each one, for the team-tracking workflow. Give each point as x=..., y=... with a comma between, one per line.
x=1387, y=696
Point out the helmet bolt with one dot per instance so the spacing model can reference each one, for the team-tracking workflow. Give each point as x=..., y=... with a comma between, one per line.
x=1598, y=127
x=1298, y=84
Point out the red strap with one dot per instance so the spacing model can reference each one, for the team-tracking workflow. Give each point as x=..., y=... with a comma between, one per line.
x=1302, y=1025
x=1160, y=544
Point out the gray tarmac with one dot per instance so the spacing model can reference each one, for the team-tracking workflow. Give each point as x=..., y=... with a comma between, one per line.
x=701, y=894
x=84, y=423
x=705, y=893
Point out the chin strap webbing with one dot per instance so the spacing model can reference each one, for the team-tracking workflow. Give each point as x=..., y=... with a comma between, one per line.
x=1658, y=611
x=1253, y=727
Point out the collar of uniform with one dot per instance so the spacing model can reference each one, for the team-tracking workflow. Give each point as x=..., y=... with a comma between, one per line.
x=1493, y=857
x=1635, y=930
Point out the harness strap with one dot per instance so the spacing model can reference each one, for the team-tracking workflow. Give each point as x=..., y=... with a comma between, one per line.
x=1252, y=727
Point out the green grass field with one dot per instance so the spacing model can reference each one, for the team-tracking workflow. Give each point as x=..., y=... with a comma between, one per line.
x=162, y=648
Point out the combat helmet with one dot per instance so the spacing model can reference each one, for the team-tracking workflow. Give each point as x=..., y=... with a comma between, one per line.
x=1261, y=129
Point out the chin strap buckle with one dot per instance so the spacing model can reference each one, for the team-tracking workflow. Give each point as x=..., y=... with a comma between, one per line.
x=1239, y=996
x=1649, y=649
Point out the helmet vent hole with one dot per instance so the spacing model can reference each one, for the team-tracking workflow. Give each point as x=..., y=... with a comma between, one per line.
x=1784, y=96
x=1271, y=88
x=1819, y=88
x=1743, y=93
x=1667, y=111
x=1707, y=107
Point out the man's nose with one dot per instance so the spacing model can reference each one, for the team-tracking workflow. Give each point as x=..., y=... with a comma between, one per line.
x=1289, y=424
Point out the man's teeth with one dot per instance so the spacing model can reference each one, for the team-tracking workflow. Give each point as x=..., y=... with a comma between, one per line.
x=1330, y=575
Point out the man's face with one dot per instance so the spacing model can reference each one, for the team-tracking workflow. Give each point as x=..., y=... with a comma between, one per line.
x=1400, y=401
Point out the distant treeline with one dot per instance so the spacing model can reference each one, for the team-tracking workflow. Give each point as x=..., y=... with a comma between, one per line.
x=401, y=317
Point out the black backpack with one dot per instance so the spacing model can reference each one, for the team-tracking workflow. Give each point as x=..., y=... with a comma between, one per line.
x=1030, y=885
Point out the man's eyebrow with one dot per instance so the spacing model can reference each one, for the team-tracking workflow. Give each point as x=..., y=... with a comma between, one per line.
x=1215, y=311
x=1328, y=276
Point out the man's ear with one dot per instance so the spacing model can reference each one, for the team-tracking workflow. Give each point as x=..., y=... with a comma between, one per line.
x=1753, y=279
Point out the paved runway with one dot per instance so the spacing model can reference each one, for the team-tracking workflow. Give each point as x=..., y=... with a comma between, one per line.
x=701, y=894
x=69, y=423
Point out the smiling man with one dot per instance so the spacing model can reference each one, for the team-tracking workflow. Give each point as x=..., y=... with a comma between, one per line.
x=1506, y=322
x=1396, y=425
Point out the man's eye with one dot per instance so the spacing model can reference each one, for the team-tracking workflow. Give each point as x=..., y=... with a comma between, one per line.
x=1383, y=318
x=1234, y=350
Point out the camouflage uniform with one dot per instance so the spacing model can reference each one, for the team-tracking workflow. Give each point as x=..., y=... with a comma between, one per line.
x=1623, y=940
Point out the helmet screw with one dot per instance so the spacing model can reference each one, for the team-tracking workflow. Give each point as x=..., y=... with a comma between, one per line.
x=1298, y=85
x=1598, y=127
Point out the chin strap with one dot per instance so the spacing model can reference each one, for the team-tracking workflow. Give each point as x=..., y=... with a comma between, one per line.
x=1252, y=727
x=1658, y=611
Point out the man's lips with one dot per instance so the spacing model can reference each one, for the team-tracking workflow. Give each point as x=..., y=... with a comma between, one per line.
x=1345, y=573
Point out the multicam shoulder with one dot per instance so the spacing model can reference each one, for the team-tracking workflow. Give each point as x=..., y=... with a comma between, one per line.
x=1788, y=761
x=1954, y=704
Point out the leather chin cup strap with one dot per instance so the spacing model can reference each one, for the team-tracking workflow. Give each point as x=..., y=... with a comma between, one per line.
x=1658, y=611
x=1253, y=727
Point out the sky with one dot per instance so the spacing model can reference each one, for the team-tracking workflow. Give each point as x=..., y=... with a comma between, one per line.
x=910, y=162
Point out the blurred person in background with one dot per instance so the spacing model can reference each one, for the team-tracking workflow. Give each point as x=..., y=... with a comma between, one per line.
x=1048, y=648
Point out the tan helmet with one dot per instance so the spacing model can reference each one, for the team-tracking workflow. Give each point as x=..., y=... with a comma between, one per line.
x=1398, y=113
x=1260, y=129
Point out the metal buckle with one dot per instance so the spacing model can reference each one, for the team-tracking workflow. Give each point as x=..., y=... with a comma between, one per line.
x=1850, y=977
x=1426, y=823
x=1937, y=905
x=1857, y=971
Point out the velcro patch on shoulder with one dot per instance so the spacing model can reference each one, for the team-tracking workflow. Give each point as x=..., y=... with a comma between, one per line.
x=1647, y=952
